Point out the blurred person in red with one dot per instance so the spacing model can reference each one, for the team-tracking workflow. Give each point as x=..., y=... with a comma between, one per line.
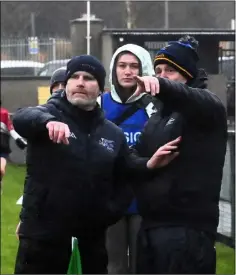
x=7, y=131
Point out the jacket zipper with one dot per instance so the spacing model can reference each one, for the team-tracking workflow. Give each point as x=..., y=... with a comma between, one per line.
x=88, y=157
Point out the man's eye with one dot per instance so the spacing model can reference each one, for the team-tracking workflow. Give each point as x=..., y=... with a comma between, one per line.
x=88, y=78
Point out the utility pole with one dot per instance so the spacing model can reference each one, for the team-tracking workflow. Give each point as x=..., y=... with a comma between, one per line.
x=166, y=14
x=88, y=27
x=32, y=23
x=129, y=16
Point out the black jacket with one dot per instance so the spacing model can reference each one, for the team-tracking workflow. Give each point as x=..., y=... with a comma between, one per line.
x=186, y=192
x=69, y=187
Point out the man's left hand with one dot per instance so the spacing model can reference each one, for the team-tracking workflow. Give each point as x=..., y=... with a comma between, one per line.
x=148, y=84
x=164, y=155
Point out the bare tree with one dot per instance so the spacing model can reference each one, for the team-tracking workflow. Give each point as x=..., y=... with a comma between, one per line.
x=52, y=18
x=15, y=18
x=146, y=14
x=112, y=12
x=130, y=23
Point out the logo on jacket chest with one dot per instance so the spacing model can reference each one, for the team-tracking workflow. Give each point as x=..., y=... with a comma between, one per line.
x=150, y=109
x=108, y=144
x=170, y=121
x=72, y=135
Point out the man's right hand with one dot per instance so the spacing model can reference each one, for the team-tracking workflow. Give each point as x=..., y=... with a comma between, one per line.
x=58, y=132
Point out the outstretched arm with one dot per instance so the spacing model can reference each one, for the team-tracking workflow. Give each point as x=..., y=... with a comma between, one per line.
x=31, y=121
x=194, y=102
x=198, y=104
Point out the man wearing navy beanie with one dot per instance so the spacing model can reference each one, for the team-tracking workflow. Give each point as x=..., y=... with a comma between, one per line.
x=180, y=204
x=87, y=63
x=181, y=56
x=75, y=157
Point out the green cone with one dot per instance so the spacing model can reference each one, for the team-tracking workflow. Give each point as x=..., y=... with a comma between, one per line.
x=75, y=266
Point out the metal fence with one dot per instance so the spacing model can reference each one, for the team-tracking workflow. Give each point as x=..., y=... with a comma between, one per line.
x=36, y=49
x=226, y=228
x=44, y=49
x=227, y=62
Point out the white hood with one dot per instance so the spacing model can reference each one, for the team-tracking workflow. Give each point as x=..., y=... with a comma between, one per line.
x=146, y=63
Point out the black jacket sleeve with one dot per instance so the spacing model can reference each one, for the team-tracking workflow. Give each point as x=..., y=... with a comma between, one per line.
x=129, y=162
x=132, y=166
x=29, y=122
x=196, y=103
x=140, y=145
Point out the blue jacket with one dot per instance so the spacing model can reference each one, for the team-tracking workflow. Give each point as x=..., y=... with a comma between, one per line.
x=113, y=107
x=132, y=126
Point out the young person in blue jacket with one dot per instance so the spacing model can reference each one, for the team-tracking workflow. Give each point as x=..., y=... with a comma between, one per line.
x=130, y=113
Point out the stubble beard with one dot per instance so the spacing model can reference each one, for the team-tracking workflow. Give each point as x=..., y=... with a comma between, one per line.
x=85, y=104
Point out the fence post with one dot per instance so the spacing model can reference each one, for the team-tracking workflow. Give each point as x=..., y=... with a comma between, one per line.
x=232, y=182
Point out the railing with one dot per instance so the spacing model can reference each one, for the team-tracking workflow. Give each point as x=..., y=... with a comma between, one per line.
x=227, y=62
x=36, y=49
x=226, y=228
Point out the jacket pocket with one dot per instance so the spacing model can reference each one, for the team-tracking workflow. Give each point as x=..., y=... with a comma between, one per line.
x=35, y=196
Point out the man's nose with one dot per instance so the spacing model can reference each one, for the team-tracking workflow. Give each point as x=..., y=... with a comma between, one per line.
x=80, y=81
x=163, y=74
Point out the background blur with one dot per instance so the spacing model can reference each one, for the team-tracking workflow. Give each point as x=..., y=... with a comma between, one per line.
x=39, y=37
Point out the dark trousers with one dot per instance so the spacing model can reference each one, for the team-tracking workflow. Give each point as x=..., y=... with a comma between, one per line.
x=52, y=257
x=122, y=237
x=175, y=250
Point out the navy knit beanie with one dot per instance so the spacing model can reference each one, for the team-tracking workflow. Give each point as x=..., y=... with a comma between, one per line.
x=181, y=55
x=89, y=64
x=58, y=76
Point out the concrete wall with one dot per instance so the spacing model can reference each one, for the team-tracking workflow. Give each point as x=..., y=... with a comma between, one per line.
x=217, y=85
x=19, y=92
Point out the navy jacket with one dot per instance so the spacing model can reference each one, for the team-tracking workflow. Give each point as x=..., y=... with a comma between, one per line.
x=68, y=187
x=186, y=192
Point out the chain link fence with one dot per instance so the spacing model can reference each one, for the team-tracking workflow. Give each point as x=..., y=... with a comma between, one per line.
x=227, y=62
x=226, y=228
